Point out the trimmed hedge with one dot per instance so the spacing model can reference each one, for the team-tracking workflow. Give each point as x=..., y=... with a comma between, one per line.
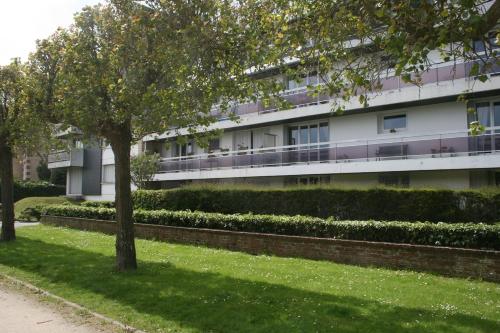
x=344, y=204
x=438, y=234
x=98, y=204
x=26, y=189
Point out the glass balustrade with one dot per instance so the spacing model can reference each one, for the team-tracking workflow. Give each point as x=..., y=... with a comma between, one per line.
x=432, y=146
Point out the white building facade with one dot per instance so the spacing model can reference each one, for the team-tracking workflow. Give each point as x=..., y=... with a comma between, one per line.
x=409, y=136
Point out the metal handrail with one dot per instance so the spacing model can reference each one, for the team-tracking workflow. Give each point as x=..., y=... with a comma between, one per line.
x=437, y=146
x=340, y=143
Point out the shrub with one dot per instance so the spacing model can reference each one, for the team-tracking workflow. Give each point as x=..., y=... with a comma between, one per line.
x=440, y=234
x=98, y=204
x=344, y=204
x=30, y=209
x=25, y=189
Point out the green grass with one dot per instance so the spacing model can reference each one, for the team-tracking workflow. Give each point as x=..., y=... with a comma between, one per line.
x=182, y=288
x=32, y=202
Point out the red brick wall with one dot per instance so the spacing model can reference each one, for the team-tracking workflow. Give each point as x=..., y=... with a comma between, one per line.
x=441, y=260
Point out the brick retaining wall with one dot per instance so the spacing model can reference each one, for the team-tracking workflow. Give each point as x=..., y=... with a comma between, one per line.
x=442, y=260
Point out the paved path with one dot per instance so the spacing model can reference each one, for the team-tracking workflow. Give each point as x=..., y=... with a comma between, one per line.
x=23, y=314
x=23, y=224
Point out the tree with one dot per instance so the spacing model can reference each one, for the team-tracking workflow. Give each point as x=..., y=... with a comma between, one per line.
x=19, y=132
x=143, y=168
x=43, y=170
x=353, y=44
x=124, y=70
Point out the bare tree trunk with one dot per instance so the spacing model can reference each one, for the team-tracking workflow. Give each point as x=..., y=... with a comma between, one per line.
x=125, y=244
x=7, y=178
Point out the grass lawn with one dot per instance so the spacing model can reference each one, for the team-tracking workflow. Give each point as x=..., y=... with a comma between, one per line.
x=32, y=202
x=195, y=289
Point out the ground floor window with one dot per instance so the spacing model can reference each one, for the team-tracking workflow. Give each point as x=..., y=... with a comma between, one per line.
x=308, y=180
x=400, y=179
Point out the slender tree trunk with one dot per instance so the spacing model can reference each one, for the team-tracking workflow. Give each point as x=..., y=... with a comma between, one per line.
x=125, y=245
x=7, y=178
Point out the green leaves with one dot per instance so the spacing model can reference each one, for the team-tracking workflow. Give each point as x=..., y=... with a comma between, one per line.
x=143, y=169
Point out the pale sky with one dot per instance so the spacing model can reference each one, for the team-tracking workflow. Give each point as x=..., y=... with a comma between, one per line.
x=22, y=22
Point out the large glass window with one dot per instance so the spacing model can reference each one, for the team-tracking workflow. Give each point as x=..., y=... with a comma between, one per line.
x=304, y=80
x=496, y=114
x=324, y=132
x=394, y=122
x=487, y=114
x=314, y=133
x=308, y=134
x=483, y=114
x=304, y=135
x=293, y=135
x=184, y=149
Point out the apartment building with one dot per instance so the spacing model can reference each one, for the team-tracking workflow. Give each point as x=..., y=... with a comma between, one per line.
x=89, y=165
x=82, y=161
x=409, y=135
x=25, y=167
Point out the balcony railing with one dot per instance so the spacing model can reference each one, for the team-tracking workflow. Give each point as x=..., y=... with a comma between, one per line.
x=59, y=156
x=66, y=158
x=301, y=97
x=429, y=146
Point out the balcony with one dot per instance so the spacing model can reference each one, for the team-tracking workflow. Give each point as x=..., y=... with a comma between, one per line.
x=389, y=154
x=66, y=158
x=301, y=97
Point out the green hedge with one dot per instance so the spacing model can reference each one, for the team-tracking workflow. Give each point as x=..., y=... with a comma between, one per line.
x=26, y=189
x=344, y=204
x=98, y=204
x=441, y=234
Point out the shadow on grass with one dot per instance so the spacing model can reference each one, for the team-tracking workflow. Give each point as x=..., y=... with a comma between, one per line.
x=204, y=301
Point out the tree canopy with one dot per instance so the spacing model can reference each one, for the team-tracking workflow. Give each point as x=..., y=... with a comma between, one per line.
x=126, y=69
x=353, y=44
x=21, y=132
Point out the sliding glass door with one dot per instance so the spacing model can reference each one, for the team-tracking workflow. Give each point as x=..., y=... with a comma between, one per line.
x=309, y=138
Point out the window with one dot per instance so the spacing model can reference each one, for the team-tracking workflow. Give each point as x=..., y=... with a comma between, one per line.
x=483, y=114
x=308, y=134
x=77, y=143
x=496, y=114
x=324, y=132
x=394, y=179
x=108, y=173
x=394, y=122
x=309, y=180
x=214, y=144
x=489, y=43
x=184, y=149
x=303, y=80
x=487, y=114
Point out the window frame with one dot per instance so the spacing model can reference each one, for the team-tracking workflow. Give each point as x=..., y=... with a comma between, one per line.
x=393, y=129
x=494, y=124
x=104, y=179
x=318, y=125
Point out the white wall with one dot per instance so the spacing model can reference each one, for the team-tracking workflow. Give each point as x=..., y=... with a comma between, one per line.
x=421, y=120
